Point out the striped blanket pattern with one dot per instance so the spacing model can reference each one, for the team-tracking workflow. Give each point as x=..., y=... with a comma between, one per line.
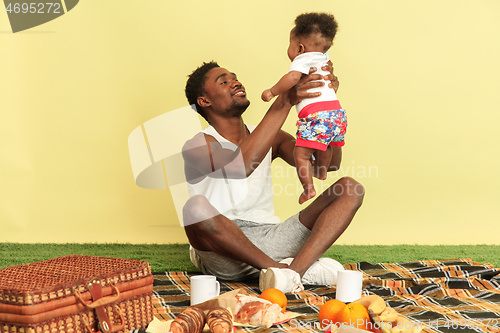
x=443, y=296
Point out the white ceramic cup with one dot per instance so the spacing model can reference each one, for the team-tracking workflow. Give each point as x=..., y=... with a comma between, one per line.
x=349, y=286
x=203, y=288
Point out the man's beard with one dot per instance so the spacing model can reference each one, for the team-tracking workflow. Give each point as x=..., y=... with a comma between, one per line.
x=237, y=108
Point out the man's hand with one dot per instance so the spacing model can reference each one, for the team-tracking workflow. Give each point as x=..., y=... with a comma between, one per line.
x=300, y=91
x=334, y=81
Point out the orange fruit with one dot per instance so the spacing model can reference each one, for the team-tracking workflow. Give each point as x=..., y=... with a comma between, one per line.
x=329, y=311
x=274, y=295
x=354, y=315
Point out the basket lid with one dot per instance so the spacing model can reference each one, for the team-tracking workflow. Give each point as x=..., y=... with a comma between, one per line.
x=64, y=273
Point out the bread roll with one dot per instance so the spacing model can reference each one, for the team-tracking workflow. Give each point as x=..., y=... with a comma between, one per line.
x=191, y=320
x=220, y=320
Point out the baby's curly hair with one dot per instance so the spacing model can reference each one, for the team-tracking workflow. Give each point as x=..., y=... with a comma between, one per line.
x=323, y=23
x=195, y=85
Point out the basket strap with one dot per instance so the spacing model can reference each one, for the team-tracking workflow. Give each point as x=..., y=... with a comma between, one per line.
x=98, y=302
x=96, y=292
x=114, y=328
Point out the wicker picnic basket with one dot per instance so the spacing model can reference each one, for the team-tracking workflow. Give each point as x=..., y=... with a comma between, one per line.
x=76, y=294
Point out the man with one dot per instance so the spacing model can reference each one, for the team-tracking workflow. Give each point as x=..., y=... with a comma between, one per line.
x=229, y=219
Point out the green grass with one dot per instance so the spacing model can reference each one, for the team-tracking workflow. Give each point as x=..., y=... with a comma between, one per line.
x=402, y=253
x=171, y=257
x=175, y=257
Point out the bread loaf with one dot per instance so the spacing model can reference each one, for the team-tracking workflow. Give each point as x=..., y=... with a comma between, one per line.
x=257, y=311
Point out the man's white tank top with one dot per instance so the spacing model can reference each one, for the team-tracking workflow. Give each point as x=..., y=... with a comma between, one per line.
x=249, y=199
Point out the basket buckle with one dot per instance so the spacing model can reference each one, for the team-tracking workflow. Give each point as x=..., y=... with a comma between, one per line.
x=98, y=303
x=95, y=289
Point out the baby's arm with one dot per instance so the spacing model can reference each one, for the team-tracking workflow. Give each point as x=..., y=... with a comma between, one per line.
x=288, y=80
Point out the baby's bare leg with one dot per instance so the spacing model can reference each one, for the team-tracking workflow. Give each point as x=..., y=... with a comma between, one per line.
x=302, y=157
x=323, y=162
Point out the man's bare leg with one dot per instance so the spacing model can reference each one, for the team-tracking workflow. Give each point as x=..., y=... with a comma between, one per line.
x=327, y=217
x=207, y=230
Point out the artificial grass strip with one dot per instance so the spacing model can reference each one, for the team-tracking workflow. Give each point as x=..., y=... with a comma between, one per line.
x=161, y=257
x=175, y=257
x=404, y=253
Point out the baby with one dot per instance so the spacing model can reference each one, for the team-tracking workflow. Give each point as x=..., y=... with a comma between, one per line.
x=322, y=122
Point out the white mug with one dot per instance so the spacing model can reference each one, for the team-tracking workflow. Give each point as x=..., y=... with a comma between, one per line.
x=203, y=288
x=349, y=286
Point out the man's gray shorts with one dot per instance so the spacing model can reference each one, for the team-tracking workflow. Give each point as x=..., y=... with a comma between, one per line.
x=278, y=241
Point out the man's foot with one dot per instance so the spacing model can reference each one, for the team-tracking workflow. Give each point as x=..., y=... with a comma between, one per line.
x=322, y=272
x=284, y=279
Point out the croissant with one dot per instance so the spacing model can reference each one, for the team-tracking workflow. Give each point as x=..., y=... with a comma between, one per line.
x=219, y=320
x=191, y=320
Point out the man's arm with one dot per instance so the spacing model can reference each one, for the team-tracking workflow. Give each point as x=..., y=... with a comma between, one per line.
x=258, y=143
x=203, y=155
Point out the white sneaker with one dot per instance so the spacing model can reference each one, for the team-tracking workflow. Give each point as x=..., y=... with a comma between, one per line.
x=322, y=272
x=284, y=279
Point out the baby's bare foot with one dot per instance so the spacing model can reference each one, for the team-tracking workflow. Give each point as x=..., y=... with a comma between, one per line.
x=306, y=195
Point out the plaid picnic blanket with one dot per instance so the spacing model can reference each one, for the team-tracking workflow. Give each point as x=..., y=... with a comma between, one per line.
x=441, y=295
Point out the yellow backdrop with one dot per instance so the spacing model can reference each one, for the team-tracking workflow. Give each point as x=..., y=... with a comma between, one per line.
x=419, y=80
